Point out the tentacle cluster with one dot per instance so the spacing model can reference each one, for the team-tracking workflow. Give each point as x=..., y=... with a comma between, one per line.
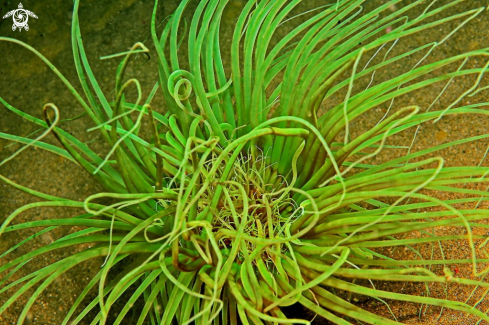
x=244, y=202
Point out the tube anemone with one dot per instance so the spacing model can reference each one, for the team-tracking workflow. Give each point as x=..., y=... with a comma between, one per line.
x=247, y=200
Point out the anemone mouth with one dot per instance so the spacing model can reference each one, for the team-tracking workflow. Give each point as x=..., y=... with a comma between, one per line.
x=256, y=205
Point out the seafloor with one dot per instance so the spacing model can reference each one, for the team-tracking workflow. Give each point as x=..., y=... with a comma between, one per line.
x=112, y=26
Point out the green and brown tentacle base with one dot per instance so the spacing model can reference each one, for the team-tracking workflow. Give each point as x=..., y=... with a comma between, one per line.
x=246, y=200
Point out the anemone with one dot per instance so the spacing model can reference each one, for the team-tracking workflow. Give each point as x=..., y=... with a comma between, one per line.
x=252, y=194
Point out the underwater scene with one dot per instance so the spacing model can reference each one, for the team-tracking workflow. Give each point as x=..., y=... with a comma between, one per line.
x=244, y=162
